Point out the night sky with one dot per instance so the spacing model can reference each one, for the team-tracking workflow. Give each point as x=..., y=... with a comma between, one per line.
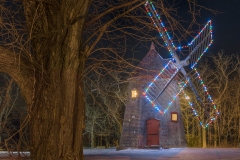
x=226, y=26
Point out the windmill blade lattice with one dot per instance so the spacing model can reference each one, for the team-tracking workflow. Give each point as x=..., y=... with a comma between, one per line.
x=210, y=112
x=164, y=80
x=200, y=44
x=155, y=17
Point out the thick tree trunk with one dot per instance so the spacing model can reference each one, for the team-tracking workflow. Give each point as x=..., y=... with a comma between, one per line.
x=57, y=105
x=1, y=115
x=50, y=72
x=57, y=120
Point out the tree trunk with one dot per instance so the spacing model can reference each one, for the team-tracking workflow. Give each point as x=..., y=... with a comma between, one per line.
x=239, y=131
x=57, y=105
x=187, y=134
x=219, y=135
x=200, y=136
x=204, y=141
x=209, y=141
x=215, y=133
x=92, y=137
x=1, y=144
x=57, y=117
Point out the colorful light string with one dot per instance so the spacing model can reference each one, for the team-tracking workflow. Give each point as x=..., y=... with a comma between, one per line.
x=154, y=80
x=155, y=17
x=175, y=97
x=167, y=39
x=204, y=125
x=163, y=111
x=160, y=73
x=205, y=50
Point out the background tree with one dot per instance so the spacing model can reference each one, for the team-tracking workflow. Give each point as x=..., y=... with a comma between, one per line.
x=105, y=103
x=13, y=112
x=7, y=102
x=227, y=90
x=220, y=73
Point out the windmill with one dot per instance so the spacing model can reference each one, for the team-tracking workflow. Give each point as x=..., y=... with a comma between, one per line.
x=174, y=69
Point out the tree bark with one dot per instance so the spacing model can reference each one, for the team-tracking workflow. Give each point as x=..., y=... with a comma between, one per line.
x=57, y=111
x=204, y=140
x=20, y=69
x=51, y=78
x=92, y=137
x=57, y=120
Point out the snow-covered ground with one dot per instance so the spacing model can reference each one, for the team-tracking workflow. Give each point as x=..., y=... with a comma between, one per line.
x=164, y=154
x=129, y=150
x=5, y=155
x=151, y=154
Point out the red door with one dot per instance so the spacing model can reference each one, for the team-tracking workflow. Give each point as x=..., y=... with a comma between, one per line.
x=153, y=132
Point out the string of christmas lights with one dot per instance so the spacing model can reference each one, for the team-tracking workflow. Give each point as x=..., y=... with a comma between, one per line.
x=209, y=23
x=204, y=125
x=169, y=64
x=160, y=73
x=206, y=91
x=199, y=33
x=175, y=97
x=155, y=17
x=190, y=103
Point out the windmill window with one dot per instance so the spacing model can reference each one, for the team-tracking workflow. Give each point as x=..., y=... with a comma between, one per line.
x=174, y=116
x=134, y=93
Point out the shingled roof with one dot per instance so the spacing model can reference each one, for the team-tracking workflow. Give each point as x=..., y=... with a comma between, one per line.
x=151, y=64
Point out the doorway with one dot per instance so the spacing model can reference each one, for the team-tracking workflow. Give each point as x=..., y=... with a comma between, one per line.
x=153, y=126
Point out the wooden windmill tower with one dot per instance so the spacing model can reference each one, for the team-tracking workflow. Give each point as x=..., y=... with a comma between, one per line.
x=161, y=124
x=143, y=125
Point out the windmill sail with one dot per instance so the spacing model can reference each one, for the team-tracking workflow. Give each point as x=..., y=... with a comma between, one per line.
x=200, y=44
x=155, y=17
x=163, y=80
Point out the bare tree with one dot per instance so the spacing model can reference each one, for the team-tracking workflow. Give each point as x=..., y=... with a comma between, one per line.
x=7, y=102
x=13, y=112
x=106, y=96
x=45, y=45
x=227, y=98
x=220, y=73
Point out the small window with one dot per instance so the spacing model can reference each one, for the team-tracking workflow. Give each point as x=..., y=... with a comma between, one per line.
x=174, y=116
x=134, y=93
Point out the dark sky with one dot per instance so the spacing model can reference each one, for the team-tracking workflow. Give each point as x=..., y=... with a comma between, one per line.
x=226, y=26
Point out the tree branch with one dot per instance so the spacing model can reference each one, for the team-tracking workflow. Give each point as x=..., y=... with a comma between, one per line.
x=111, y=10
x=103, y=29
x=18, y=68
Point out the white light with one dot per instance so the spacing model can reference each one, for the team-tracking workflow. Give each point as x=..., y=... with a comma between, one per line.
x=187, y=97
